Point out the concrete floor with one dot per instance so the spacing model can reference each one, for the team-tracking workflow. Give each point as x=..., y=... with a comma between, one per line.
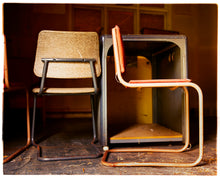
x=27, y=163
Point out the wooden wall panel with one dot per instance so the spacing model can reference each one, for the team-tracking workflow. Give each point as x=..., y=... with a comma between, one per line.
x=152, y=21
x=23, y=22
x=124, y=19
x=153, y=5
x=87, y=19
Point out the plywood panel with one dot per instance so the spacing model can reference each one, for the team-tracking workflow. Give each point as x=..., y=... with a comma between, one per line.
x=146, y=133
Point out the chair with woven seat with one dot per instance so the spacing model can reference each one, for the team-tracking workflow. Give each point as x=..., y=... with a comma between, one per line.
x=15, y=87
x=67, y=55
x=120, y=68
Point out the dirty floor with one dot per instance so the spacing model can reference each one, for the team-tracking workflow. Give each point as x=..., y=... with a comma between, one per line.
x=66, y=133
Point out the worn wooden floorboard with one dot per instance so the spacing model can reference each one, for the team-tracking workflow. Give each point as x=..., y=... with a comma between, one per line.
x=27, y=163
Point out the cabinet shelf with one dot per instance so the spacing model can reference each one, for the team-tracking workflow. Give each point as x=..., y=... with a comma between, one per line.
x=146, y=133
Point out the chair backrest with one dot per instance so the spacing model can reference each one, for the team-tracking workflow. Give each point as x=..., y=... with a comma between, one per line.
x=67, y=44
x=118, y=49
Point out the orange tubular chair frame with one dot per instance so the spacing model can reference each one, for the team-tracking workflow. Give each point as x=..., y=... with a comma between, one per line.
x=16, y=87
x=170, y=83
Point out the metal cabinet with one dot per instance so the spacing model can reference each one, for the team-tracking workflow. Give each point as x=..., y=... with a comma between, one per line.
x=165, y=57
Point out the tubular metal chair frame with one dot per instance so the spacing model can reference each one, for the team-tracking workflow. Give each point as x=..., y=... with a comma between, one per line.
x=9, y=88
x=42, y=91
x=170, y=83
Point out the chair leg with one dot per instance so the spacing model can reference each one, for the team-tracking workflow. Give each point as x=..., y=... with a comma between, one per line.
x=33, y=120
x=196, y=162
x=28, y=143
x=39, y=148
x=92, y=98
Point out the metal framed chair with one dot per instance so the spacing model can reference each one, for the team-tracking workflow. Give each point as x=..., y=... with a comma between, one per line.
x=119, y=58
x=14, y=87
x=67, y=55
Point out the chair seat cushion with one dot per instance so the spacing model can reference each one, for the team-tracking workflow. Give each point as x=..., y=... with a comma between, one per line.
x=65, y=90
x=160, y=81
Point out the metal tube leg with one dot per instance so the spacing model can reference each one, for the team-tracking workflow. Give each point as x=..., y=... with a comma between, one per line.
x=28, y=118
x=33, y=120
x=187, y=126
x=196, y=162
x=28, y=131
x=39, y=153
x=201, y=137
x=92, y=98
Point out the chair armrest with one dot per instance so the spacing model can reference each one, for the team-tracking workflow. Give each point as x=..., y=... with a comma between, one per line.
x=67, y=59
x=48, y=60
